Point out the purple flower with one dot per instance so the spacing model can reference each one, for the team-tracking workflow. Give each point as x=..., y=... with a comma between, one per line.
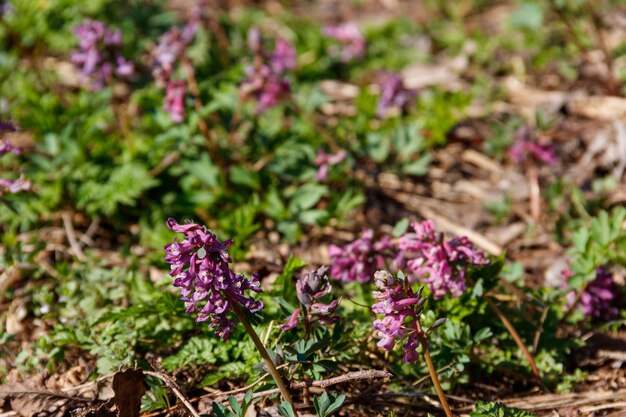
x=175, y=100
x=14, y=186
x=200, y=265
x=401, y=308
x=601, y=297
x=310, y=288
x=6, y=147
x=6, y=8
x=324, y=160
x=393, y=95
x=170, y=49
x=350, y=36
x=283, y=58
x=440, y=264
x=99, y=53
x=265, y=77
x=526, y=146
x=359, y=260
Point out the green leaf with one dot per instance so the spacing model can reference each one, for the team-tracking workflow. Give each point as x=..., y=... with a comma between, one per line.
x=234, y=405
x=286, y=410
x=483, y=334
x=528, y=16
x=245, y=177
x=488, y=409
x=283, y=284
x=306, y=197
x=418, y=167
x=401, y=227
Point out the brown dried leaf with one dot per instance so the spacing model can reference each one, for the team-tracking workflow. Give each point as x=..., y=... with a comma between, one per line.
x=128, y=387
x=32, y=397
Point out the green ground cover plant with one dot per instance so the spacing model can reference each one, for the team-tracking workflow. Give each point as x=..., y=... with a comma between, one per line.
x=260, y=209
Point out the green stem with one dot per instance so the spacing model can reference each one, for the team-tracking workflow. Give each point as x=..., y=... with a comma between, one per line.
x=264, y=354
x=432, y=371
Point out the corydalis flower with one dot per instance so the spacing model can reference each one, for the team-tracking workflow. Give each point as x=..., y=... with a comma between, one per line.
x=526, y=146
x=324, y=160
x=310, y=288
x=600, y=298
x=401, y=308
x=21, y=183
x=169, y=50
x=439, y=263
x=393, y=95
x=265, y=77
x=175, y=100
x=358, y=260
x=350, y=36
x=14, y=186
x=200, y=265
x=99, y=53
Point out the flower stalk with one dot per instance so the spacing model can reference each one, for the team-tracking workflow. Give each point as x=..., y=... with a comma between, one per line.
x=432, y=371
x=518, y=340
x=264, y=354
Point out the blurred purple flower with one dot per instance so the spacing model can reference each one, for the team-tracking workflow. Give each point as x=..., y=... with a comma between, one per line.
x=393, y=95
x=6, y=147
x=265, y=77
x=401, y=308
x=601, y=298
x=359, y=260
x=324, y=160
x=6, y=8
x=440, y=264
x=350, y=36
x=14, y=186
x=170, y=49
x=526, y=146
x=200, y=265
x=174, y=102
x=99, y=53
x=283, y=58
x=310, y=288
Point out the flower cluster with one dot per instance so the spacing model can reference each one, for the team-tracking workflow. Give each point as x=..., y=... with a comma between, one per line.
x=526, y=146
x=324, y=160
x=358, y=260
x=310, y=289
x=99, y=53
x=6, y=147
x=169, y=50
x=200, y=265
x=423, y=253
x=350, y=36
x=601, y=298
x=393, y=95
x=401, y=308
x=167, y=54
x=439, y=263
x=265, y=77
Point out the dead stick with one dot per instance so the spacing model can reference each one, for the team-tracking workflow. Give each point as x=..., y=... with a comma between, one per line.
x=535, y=192
x=71, y=236
x=350, y=376
x=542, y=320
